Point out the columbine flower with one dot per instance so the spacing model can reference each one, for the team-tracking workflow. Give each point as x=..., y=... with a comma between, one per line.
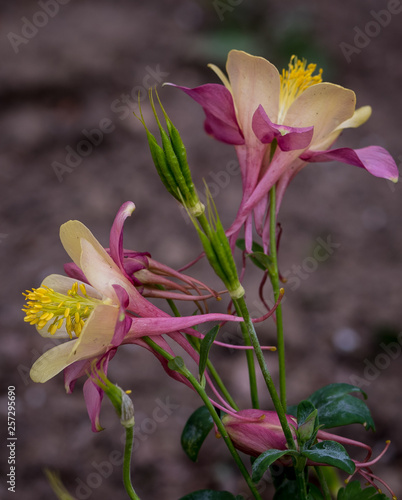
x=278, y=123
x=98, y=316
x=255, y=431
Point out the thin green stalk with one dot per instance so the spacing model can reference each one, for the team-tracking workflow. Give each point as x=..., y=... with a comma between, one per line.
x=241, y=304
x=195, y=342
x=274, y=276
x=250, y=361
x=127, y=464
x=221, y=428
x=212, y=370
x=323, y=482
x=202, y=219
x=301, y=483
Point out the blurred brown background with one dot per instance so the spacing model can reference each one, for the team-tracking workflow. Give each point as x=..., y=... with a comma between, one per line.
x=65, y=72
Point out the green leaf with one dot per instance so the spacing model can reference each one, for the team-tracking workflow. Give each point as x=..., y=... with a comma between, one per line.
x=265, y=460
x=197, y=428
x=353, y=491
x=336, y=407
x=211, y=495
x=176, y=364
x=258, y=257
x=331, y=453
x=261, y=260
x=307, y=421
x=205, y=346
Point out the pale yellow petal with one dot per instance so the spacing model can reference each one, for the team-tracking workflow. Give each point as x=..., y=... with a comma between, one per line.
x=324, y=106
x=101, y=271
x=71, y=234
x=52, y=362
x=221, y=75
x=359, y=117
x=254, y=81
x=97, y=333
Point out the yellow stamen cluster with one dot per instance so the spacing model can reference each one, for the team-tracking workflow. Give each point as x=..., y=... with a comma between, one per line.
x=294, y=81
x=44, y=305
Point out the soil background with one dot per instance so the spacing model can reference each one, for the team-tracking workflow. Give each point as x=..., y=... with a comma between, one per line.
x=342, y=315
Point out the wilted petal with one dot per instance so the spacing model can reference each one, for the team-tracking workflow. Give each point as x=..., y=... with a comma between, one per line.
x=289, y=138
x=217, y=102
x=374, y=159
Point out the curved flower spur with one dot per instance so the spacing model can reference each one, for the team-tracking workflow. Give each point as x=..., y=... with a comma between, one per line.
x=278, y=123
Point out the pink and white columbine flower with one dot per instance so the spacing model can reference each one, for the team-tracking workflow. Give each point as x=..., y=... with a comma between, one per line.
x=278, y=123
x=255, y=431
x=98, y=316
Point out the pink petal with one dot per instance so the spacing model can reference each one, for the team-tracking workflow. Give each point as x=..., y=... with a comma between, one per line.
x=289, y=138
x=124, y=322
x=93, y=396
x=374, y=159
x=116, y=234
x=158, y=326
x=217, y=102
x=73, y=271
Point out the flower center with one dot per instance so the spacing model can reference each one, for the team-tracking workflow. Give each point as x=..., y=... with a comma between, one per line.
x=294, y=81
x=44, y=305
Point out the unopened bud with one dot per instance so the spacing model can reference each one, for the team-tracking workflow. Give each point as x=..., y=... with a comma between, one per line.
x=255, y=431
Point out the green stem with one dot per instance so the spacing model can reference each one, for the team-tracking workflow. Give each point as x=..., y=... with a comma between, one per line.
x=202, y=219
x=127, y=463
x=323, y=482
x=274, y=276
x=241, y=304
x=301, y=484
x=194, y=341
x=250, y=360
x=221, y=428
